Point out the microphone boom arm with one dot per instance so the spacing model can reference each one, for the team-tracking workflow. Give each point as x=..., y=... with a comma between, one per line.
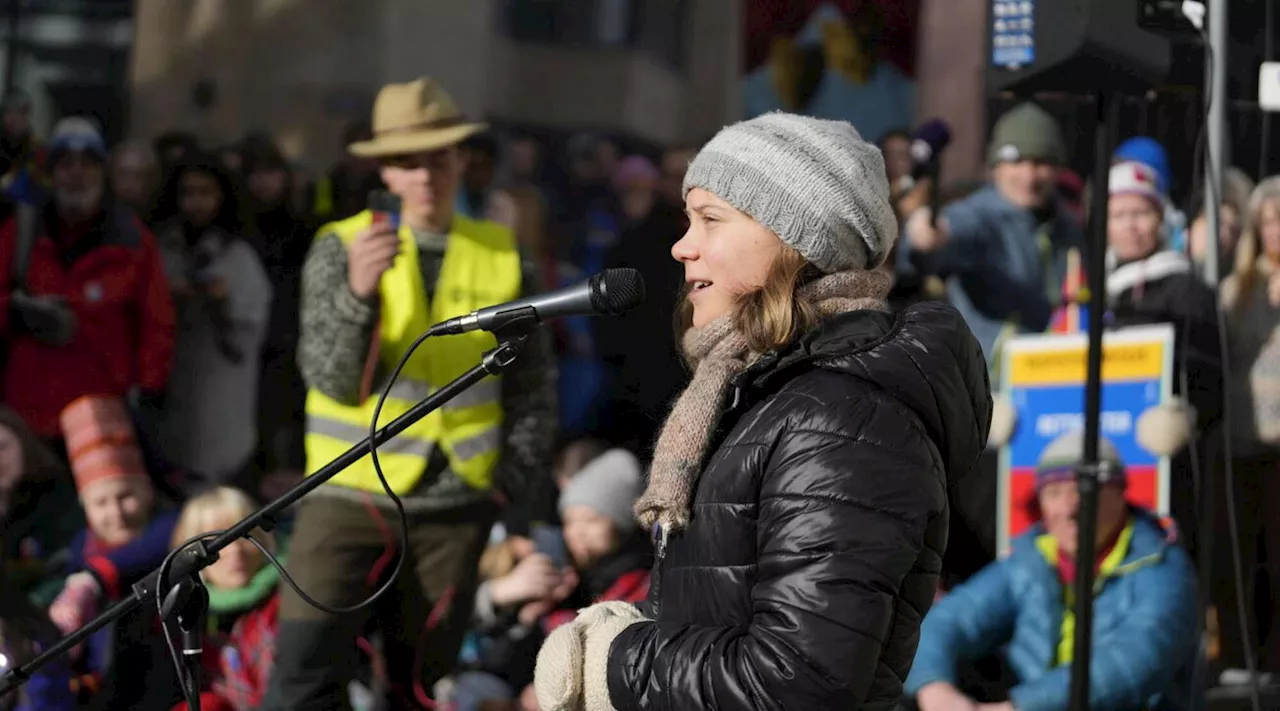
x=191, y=560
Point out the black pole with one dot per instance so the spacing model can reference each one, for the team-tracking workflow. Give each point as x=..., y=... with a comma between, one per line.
x=11, y=45
x=1089, y=475
x=195, y=558
x=1268, y=51
x=935, y=189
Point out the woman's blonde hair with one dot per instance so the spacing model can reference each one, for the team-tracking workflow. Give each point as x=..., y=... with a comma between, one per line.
x=1249, y=249
x=212, y=509
x=774, y=315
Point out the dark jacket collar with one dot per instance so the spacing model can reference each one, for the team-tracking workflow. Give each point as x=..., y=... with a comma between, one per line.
x=924, y=356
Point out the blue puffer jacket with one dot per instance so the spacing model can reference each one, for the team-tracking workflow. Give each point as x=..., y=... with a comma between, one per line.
x=998, y=271
x=1145, y=631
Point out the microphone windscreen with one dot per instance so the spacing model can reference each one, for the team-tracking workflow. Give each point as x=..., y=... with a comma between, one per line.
x=929, y=140
x=615, y=291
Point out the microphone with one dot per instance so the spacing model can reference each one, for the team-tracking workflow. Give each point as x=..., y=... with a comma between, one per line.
x=927, y=143
x=611, y=292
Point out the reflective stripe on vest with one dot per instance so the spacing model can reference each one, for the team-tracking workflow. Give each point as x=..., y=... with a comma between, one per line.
x=401, y=444
x=484, y=392
x=481, y=267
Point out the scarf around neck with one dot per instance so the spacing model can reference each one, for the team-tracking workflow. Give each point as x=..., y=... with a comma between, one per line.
x=232, y=602
x=719, y=352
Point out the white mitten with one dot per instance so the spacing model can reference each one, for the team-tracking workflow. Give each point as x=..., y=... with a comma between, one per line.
x=1003, y=419
x=572, y=668
x=606, y=621
x=1165, y=429
x=557, y=678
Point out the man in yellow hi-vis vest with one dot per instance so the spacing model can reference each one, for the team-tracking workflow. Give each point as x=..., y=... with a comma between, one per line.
x=370, y=287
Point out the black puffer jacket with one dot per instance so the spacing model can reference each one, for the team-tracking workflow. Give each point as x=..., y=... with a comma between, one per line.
x=1164, y=288
x=818, y=525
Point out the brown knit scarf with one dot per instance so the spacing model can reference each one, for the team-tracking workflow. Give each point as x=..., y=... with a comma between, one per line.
x=718, y=353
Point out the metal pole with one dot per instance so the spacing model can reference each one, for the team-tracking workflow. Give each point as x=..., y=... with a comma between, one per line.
x=1268, y=52
x=1216, y=94
x=1089, y=475
x=11, y=45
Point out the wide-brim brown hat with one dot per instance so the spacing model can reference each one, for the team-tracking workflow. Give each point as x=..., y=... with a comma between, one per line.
x=412, y=118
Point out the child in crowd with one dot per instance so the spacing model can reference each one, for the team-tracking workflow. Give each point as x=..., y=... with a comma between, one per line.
x=527, y=594
x=39, y=514
x=243, y=602
x=127, y=537
x=609, y=551
x=575, y=455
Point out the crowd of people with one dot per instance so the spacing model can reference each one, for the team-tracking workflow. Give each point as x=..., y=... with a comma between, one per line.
x=189, y=330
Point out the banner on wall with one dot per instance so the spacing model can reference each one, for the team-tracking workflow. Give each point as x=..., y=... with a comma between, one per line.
x=850, y=60
x=1044, y=376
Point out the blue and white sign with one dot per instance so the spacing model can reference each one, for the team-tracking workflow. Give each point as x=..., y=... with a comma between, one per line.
x=1013, y=25
x=1044, y=376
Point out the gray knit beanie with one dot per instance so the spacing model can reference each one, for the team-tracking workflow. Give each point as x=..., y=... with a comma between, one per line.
x=1060, y=458
x=817, y=184
x=1026, y=132
x=608, y=485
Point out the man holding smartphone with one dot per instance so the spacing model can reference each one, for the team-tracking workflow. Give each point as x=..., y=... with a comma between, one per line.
x=371, y=285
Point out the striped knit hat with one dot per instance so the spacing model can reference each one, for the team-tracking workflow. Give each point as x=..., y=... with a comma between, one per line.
x=1059, y=460
x=100, y=440
x=817, y=184
x=75, y=134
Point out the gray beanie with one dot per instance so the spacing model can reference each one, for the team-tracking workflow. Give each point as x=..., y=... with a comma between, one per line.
x=609, y=485
x=1060, y=458
x=1026, y=132
x=817, y=184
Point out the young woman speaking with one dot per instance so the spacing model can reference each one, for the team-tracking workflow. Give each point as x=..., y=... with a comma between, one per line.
x=799, y=487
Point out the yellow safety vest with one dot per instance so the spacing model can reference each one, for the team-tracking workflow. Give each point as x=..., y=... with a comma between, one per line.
x=323, y=202
x=481, y=268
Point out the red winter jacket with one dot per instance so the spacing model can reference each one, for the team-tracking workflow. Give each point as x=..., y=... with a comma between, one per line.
x=239, y=666
x=113, y=279
x=632, y=586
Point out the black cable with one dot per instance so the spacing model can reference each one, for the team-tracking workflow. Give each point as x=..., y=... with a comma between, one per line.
x=189, y=692
x=1233, y=529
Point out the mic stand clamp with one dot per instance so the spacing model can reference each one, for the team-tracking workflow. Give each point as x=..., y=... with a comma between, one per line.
x=1099, y=472
x=187, y=606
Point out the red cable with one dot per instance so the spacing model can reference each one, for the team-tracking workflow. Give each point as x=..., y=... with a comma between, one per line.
x=438, y=610
x=379, y=567
x=388, y=552
x=433, y=618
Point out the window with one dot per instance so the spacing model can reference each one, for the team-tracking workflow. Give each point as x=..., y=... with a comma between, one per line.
x=653, y=26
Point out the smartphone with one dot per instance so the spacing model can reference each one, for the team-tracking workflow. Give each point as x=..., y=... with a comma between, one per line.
x=385, y=208
x=549, y=541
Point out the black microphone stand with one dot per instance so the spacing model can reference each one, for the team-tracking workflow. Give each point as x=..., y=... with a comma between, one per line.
x=187, y=598
x=934, y=173
x=1090, y=473
x=187, y=604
